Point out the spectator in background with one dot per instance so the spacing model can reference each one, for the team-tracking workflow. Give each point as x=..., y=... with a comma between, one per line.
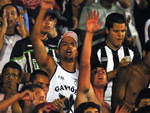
x=22, y=10
x=23, y=53
x=11, y=77
x=40, y=78
x=141, y=15
x=131, y=28
x=105, y=7
x=12, y=23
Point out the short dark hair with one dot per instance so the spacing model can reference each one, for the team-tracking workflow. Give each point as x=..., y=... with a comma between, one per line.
x=83, y=106
x=12, y=64
x=35, y=73
x=144, y=94
x=114, y=18
x=10, y=4
x=53, y=13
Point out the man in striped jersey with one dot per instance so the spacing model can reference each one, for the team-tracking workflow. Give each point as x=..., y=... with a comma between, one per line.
x=111, y=53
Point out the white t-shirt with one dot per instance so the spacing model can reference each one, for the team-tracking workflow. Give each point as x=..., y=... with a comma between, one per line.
x=63, y=83
x=8, y=44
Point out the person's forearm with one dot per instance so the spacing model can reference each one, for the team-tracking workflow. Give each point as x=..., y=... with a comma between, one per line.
x=25, y=33
x=111, y=75
x=2, y=33
x=37, y=27
x=7, y=102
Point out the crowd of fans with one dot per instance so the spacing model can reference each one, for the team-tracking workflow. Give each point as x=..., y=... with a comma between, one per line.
x=74, y=56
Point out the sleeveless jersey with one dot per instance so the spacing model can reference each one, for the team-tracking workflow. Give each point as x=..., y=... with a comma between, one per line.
x=62, y=84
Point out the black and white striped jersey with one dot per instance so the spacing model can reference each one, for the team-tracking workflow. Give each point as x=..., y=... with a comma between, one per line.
x=23, y=53
x=109, y=59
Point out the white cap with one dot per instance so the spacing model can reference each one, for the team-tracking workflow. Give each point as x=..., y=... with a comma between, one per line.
x=69, y=34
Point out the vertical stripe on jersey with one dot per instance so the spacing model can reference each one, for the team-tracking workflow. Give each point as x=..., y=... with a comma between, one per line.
x=115, y=58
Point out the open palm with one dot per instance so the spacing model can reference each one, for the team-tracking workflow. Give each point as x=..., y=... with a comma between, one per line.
x=92, y=22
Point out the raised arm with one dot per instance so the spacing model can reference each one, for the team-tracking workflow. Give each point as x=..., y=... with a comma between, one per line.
x=3, y=29
x=85, y=67
x=45, y=61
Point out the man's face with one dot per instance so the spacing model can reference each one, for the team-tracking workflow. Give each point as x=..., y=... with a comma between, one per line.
x=10, y=80
x=48, y=24
x=11, y=16
x=91, y=110
x=116, y=35
x=42, y=81
x=68, y=49
x=144, y=102
x=39, y=96
x=100, y=77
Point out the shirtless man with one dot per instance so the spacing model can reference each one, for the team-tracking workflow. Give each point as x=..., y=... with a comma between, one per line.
x=131, y=80
x=92, y=89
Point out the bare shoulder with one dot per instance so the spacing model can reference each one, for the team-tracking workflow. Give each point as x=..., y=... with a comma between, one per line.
x=123, y=71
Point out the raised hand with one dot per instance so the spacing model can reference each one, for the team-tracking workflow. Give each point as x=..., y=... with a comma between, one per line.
x=5, y=24
x=47, y=4
x=27, y=95
x=124, y=109
x=92, y=22
x=125, y=62
x=59, y=103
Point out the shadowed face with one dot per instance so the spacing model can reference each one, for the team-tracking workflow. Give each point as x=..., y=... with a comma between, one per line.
x=42, y=81
x=68, y=49
x=39, y=96
x=116, y=35
x=99, y=77
x=10, y=79
x=47, y=24
x=11, y=16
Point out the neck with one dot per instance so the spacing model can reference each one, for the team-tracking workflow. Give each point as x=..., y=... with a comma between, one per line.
x=106, y=4
x=43, y=36
x=111, y=46
x=27, y=109
x=68, y=66
x=99, y=92
x=10, y=31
